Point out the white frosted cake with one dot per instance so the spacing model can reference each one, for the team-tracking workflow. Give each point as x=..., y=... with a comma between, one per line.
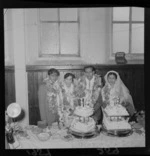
x=116, y=110
x=116, y=125
x=85, y=111
x=83, y=127
x=113, y=118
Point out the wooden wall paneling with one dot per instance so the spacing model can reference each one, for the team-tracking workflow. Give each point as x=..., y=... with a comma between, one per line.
x=35, y=82
x=6, y=90
x=31, y=97
x=45, y=74
x=34, y=115
x=10, y=96
x=40, y=78
x=30, y=89
x=138, y=85
x=36, y=104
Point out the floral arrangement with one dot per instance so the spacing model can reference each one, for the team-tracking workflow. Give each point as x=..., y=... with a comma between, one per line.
x=79, y=91
x=106, y=92
x=13, y=126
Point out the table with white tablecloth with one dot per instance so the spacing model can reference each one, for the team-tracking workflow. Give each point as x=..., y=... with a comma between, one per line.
x=100, y=141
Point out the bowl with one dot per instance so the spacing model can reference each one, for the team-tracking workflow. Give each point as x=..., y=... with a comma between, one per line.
x=42, y=124
x=43, y=136
x=36, y=130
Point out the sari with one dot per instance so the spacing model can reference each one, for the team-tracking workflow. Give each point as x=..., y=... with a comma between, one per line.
x=50, y=105
x=117, y=92
x=68, y=103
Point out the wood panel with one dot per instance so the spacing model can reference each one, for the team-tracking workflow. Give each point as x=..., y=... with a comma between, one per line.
x=9, y=86
x=131, y=75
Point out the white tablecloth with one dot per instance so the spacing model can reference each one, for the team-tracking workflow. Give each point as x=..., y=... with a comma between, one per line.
x=101, y=141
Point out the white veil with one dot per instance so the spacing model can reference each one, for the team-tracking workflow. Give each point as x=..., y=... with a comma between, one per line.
x=119, y=87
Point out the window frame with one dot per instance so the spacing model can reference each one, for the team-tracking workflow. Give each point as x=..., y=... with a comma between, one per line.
x=42, y=55
x=129, y=55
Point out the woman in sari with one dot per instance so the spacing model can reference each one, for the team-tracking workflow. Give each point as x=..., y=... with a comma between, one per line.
x=68, y=98
x=114, y=89
x=49, y=96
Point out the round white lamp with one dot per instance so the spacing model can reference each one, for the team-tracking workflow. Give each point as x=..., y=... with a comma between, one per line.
x=13, y=110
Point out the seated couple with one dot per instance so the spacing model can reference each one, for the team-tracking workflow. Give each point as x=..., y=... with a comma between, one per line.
x=57, y=100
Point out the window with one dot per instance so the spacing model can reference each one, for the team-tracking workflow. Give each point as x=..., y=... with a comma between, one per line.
x=59, y=32
x=128, y=30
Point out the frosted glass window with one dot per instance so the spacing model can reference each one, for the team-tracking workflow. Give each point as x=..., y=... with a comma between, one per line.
x=137, y=38
x=49, y=38
x=137, y=14
x=68, y=14
x=120, y=38
x=69, y=38
x=121, y=13
x=48, y=14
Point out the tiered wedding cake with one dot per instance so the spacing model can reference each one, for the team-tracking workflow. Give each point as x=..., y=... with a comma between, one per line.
x=82, y=121
x=84, y=111
x=114, y=118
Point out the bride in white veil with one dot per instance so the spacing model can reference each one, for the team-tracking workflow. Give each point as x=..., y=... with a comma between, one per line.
x=115, y=88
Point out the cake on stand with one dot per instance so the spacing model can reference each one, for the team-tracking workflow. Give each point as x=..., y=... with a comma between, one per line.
x=83, y=125
x=115, y=120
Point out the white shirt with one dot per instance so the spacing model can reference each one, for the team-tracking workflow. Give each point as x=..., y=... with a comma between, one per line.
x=90, y=83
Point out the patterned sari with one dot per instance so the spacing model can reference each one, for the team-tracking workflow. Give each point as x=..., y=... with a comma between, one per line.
x=68, y=103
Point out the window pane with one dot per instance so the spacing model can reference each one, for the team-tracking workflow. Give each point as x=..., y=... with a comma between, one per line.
x=69, y=38
x=120, y=38
x=137, y=14
x=137, y=38
x=49, y=38
x=49, y=14
x=69, y=14
x=121, y=14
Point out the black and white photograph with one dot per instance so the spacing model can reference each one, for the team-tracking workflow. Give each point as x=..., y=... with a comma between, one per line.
x=74, y=77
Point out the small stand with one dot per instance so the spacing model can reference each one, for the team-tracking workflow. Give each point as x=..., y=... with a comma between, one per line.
x=87, y=135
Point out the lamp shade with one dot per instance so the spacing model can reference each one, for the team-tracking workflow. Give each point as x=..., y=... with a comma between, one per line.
x=13, y=110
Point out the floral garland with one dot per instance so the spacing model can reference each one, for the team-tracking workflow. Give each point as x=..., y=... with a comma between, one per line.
x=53, y=98
x=68, y=97
x=90, y=96
x=106, y=93
x=109, y=97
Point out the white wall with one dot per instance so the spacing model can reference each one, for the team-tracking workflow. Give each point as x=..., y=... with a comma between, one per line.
x=93, y=32
x=8, y=37
x=95, y=38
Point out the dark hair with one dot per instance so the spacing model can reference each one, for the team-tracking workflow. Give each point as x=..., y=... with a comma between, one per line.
x=53, y=70
x=69, y=74
x=112, y=73
x=92, y=67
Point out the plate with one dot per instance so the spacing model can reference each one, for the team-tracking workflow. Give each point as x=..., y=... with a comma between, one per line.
x=86, y=135
x=67, y=137
x=13, y=110
x=43, y=136
x=118, y=133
